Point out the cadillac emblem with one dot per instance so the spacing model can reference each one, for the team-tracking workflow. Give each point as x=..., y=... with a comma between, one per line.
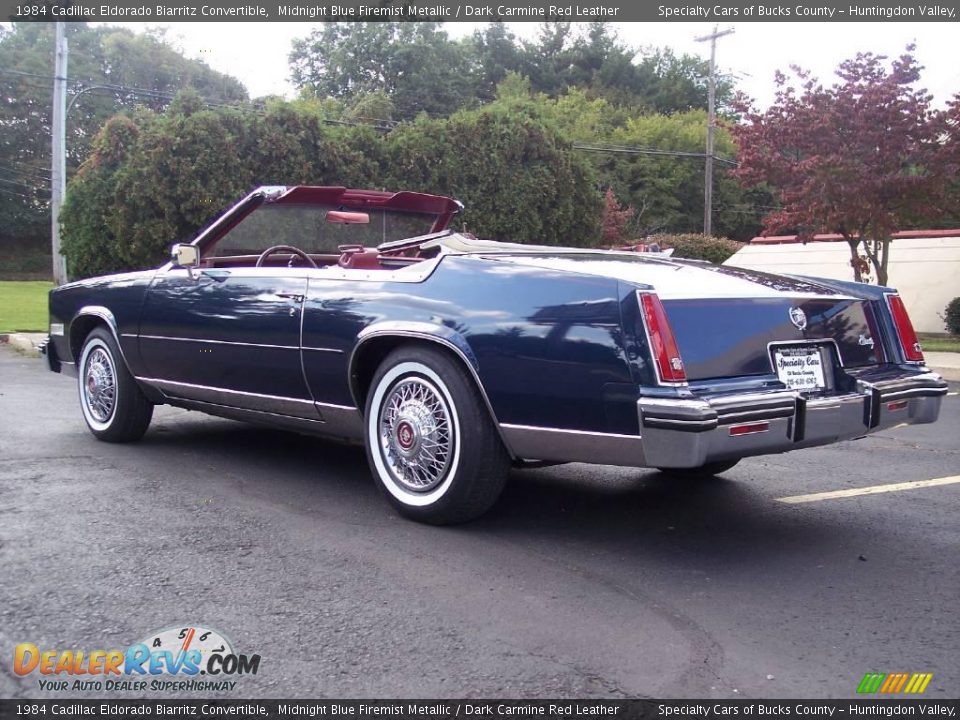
x=798, y=317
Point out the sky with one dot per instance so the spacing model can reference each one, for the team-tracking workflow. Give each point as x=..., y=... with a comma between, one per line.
x=256, y=53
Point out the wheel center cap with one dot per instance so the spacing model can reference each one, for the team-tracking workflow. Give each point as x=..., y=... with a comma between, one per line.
x=406, y=435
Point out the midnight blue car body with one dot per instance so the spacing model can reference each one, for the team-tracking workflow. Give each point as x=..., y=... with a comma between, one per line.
x=557, y=343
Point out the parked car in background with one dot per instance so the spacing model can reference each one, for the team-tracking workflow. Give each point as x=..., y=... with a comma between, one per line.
x=360, y=315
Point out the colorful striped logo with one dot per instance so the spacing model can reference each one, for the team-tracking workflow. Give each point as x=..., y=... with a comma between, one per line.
x=893, y=683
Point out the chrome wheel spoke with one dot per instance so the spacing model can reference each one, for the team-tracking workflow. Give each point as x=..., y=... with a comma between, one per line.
x=415, y=435
x=100, y=388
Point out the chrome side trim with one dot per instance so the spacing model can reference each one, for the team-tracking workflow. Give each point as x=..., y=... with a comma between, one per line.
x=341, y=420
x=284, y=422
x=542, y=443
x=425, y=331
x=294, y=407
x=216, y=342
x=229, y=342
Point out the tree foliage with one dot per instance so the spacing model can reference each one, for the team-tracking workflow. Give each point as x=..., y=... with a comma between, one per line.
x=156, y=178
x=99, y=56
x=615, y=221
x=423, y=70
x=416, y=65
x=864, y=157
x=695, y=246
x=519, y=180
x=951, y=316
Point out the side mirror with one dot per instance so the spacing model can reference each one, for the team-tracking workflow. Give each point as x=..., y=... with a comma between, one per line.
x=183, y=255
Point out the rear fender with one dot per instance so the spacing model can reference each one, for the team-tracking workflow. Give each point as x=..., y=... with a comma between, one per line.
x=439, y=334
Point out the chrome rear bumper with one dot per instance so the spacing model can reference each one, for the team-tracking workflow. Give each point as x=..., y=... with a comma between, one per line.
x=688, y=432
x=691, y=432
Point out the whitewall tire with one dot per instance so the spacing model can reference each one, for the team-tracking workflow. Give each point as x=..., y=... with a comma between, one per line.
x=113, y=406
x=431, y=443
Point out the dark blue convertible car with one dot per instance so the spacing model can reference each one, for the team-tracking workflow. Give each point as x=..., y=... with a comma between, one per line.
x=359, y=315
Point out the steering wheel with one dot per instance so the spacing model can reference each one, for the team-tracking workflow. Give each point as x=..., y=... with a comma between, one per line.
x=285, y=248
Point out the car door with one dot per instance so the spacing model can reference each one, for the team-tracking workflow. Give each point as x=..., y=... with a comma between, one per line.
x=228, y=336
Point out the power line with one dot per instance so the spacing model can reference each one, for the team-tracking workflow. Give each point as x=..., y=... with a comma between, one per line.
x=626, y=149
x=33, y=175
x=23, y=195
x=26, y=186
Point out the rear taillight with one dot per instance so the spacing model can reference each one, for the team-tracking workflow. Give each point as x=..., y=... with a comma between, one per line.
x=905, y=332
x=663, y=345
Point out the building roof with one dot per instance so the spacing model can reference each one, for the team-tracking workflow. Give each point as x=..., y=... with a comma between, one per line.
x=834, y=237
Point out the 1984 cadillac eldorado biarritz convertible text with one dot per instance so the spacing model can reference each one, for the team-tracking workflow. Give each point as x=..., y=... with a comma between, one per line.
x=359, y=315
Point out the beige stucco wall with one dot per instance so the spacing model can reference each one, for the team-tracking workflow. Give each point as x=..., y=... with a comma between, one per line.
x=926, y=271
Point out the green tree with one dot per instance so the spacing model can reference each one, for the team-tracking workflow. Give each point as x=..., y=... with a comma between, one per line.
x=496, y=54
x=99, y=56
x=416, y=64
x=156, y=179
x=520, y=180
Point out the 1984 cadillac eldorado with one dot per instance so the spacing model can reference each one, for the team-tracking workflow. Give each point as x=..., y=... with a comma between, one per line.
x=360, y=315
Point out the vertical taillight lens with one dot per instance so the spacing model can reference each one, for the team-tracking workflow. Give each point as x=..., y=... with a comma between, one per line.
x=663, y=346
x=905, y=332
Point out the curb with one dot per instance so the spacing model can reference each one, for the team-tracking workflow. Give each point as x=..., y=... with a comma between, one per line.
x=23, y=343
x=949, y=374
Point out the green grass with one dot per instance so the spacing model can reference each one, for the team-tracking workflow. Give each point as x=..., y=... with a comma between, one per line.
x=940, y=343
x=23, y=306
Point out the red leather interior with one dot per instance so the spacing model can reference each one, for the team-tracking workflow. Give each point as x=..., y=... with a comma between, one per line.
x=360, y=259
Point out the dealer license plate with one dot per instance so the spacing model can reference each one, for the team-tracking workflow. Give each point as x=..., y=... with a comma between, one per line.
x=799, y=368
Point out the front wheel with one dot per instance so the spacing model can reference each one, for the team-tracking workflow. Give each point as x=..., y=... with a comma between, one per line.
x=113, y=405
x=704, y=471
x=431, y=443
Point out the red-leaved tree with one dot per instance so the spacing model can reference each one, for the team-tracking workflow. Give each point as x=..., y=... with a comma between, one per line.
x=864, y=158
x=615, y=220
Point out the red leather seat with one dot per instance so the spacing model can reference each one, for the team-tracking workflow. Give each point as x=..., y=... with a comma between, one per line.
x=360, y=259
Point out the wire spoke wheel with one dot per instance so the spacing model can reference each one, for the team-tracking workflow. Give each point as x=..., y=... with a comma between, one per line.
x=113, y=406
x=430, y=441
x=100, y=385
x=415, y=434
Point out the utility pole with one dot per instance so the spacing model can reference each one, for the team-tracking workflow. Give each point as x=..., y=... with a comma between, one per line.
x=58, y=183
x=711, y=123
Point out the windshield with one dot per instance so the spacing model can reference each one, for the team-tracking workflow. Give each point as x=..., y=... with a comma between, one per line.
x=305, y=227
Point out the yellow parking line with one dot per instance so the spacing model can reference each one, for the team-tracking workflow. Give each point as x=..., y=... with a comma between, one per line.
x=872, y=490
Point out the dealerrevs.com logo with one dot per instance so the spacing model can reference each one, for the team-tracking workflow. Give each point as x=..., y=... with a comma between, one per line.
x=168, y=660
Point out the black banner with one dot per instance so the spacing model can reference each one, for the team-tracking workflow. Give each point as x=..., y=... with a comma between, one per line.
x=451, y=11
x=476, y=709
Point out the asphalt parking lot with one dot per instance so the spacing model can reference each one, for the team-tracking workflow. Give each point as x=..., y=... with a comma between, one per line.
x=584, y=581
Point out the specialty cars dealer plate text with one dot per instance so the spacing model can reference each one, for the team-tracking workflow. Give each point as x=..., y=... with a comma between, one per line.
x=800, y=368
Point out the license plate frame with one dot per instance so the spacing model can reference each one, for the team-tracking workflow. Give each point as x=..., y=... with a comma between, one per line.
x=801, y=367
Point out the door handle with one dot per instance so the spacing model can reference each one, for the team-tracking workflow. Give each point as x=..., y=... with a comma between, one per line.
x=296, y=297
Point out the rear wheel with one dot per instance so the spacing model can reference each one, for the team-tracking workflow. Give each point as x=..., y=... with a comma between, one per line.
x=113, y=405
x=704, y=471
x=431, y=443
